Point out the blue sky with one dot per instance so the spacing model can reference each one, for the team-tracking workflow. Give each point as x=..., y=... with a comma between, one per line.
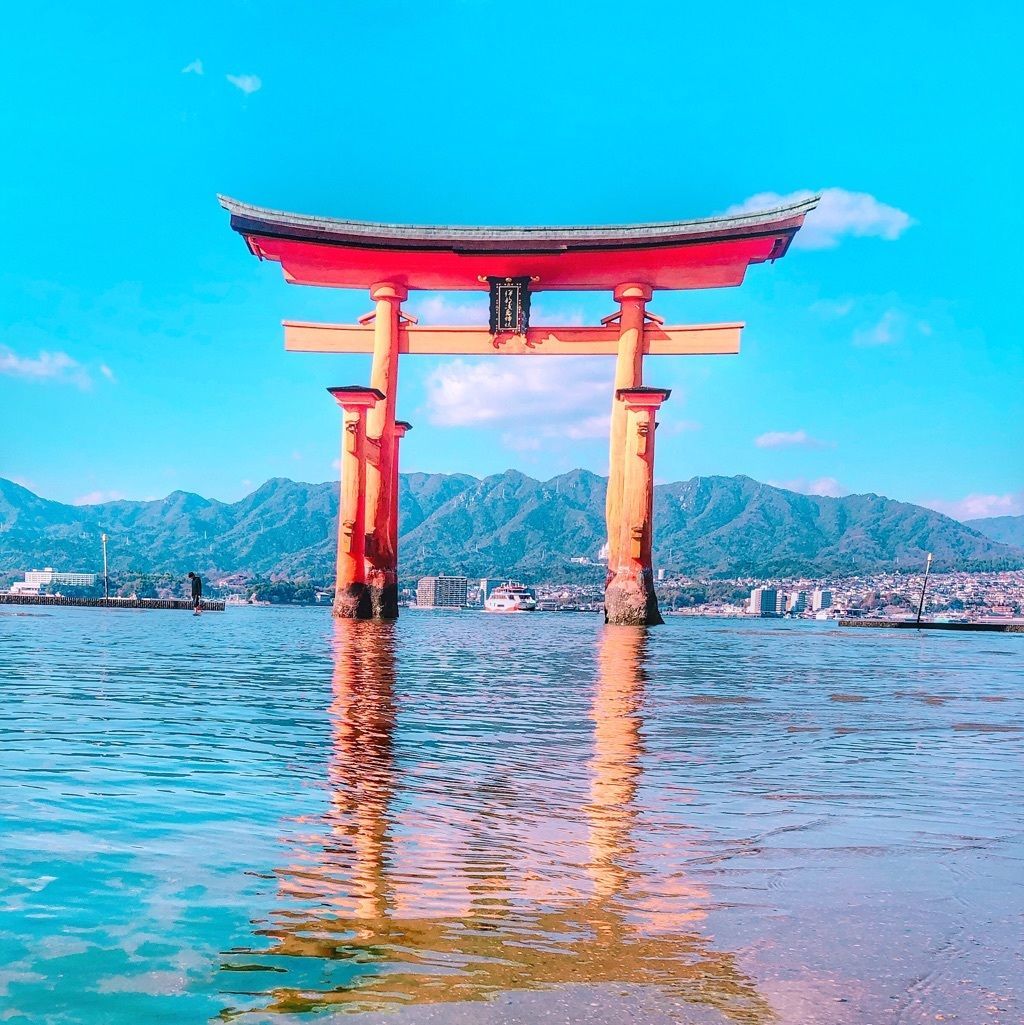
x=140, y=344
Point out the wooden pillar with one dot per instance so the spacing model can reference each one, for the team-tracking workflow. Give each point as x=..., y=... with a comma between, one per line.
x=381, y=559
x=351, y=596
x=629, y=594
x=402, y=427
x=632, y=300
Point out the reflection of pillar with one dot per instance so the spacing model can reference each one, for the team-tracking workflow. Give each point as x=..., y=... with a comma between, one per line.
x=616, y=764
x=351, y=598
x=632, y=300
x=381, y=575
x=629, y=594
x=361, y=772
x=402, y=427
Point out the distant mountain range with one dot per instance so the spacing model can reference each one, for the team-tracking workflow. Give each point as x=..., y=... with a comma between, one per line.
x=1008, y=530
x=505, y=525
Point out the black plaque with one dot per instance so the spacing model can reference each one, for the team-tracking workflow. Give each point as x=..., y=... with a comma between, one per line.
x=510, y=305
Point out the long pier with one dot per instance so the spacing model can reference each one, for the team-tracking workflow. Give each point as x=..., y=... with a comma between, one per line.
x=911, y=624
x=183, y=604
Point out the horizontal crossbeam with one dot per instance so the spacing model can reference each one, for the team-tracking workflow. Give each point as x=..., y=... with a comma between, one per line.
x=689, y=340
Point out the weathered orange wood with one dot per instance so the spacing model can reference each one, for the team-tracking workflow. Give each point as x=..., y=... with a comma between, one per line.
x=381, y=558
x=683, y=340
x=632, y=300
x=402, y=427
x=629, y=594
x=351, y=598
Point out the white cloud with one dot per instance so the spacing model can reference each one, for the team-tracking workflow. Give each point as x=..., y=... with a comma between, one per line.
x=436, y=309
x=542, y=315
x=596, y=426
x=533, y=401
x=679, y=426
x=833, y=309
x=195, y=68
x=840, y=213
x=826, y=487
x=249, y=84
x=47, y=366
x=96, y=497
x=889, y=329
x=783, y=439
x=978, y=506
x=107, y=372
x=530, y=390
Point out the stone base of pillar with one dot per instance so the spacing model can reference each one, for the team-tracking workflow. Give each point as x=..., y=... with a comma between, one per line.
x=353, y=602
x=383, y=596
x=629, y=599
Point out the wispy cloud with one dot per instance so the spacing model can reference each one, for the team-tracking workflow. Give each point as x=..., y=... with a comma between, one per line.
x=679, y=426
x=57, y=367
x=840, y=213
x=107, y=373
x=784, y=439
x=195, y=68
x=97, y=497
x=249, y=84
x=833, y=309
x=825, y=487
x=893, y=326
x=977, y=506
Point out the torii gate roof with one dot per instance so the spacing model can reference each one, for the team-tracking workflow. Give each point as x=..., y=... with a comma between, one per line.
x=707, y=253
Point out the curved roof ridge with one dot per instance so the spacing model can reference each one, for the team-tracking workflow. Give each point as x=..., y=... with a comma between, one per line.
x=647, y=229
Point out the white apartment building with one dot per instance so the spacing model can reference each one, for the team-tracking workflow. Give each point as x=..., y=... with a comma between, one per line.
x=45, y=577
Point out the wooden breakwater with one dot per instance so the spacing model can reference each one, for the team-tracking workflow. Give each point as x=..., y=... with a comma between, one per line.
x=910, y=624
x=184, y=604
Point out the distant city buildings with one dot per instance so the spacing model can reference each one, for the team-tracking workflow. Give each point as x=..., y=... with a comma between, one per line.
x=821, y=599
x=443, y=592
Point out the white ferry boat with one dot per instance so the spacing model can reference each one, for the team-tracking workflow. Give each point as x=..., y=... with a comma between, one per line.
x=511, y=597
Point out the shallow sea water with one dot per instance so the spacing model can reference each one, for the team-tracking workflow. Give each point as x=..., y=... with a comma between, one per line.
x=266, y=816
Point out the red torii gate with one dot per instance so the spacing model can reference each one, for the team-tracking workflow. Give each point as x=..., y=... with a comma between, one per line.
x=630, y=261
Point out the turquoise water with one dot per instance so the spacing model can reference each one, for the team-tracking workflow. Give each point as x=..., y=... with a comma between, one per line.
x=267, y=816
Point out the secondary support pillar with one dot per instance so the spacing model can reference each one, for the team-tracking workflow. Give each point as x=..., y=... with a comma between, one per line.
x=351, y=594
x=381, y=556
x=629, y=598
x=402, y=427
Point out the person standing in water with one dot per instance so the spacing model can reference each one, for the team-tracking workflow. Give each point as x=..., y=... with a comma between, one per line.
x=197, y=592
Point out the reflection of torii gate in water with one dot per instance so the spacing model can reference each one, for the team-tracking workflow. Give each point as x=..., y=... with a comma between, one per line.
x=468, y=898
x=512, y=263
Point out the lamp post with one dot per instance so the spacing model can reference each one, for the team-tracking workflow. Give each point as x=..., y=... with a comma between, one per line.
x=106, y=579
x=924, y=587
